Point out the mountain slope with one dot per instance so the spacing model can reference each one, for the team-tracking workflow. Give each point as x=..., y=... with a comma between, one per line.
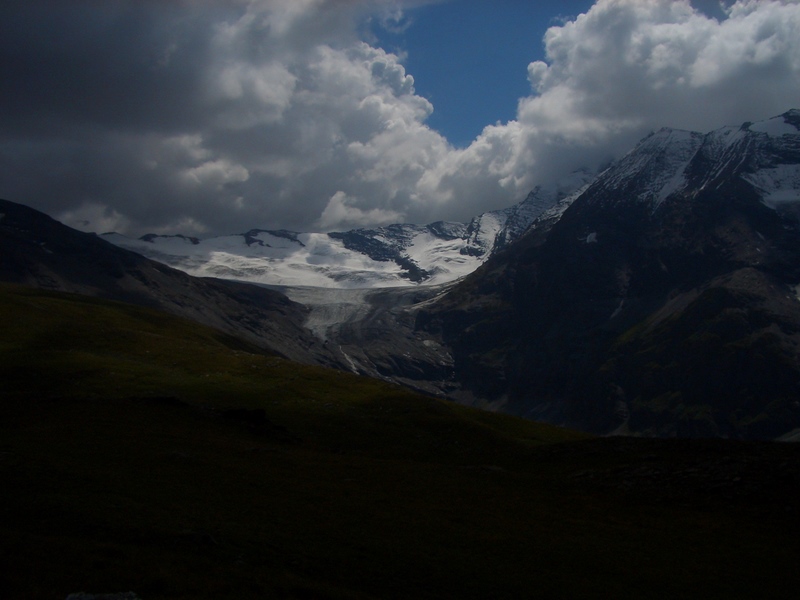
x=393, y=256
x=661, y=301
x=38, y=251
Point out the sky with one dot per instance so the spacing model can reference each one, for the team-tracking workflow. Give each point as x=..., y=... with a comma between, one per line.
x=207, y=117
x=496, y=39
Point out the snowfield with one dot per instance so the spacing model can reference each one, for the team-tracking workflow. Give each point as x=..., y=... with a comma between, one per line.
x=393, y=256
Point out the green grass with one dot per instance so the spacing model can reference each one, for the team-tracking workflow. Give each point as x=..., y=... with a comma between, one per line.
x=119, y=470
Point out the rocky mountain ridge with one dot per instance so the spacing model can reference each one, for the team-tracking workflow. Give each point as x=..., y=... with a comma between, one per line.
x=662, y=301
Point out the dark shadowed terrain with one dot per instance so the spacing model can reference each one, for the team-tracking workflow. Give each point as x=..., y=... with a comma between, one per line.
x=143, y=452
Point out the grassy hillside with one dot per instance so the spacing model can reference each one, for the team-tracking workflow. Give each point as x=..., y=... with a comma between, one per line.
x=141, y=452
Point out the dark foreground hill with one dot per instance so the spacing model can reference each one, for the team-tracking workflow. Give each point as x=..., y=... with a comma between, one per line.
x=142, y=452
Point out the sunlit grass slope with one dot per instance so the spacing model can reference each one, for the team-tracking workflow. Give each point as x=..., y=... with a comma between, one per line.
x=142, y=452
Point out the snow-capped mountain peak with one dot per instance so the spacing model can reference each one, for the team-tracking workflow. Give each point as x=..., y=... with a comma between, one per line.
x=539, y=204
x=654, y=169
x=765, y=154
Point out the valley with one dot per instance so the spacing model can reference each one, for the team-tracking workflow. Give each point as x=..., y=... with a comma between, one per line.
x=373, y=332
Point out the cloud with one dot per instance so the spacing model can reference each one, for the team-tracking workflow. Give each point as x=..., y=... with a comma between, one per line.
x=627, y=67
x=652, y=58
x=102, y=218
x=215, y=173
x=222, y=116
x=342, y=213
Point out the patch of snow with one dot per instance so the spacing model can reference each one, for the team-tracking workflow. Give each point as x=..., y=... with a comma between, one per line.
x=725, y=148
x=675, y=184
x=350, y=361
x=656, y=166
x=539, y=205
x=729, y=136
x=315, y=259
x=442, y=258
x=775, y=127
x=618, y=309
x=446, y=251
x=778, y=185
x=555, y=212
x=277, y=242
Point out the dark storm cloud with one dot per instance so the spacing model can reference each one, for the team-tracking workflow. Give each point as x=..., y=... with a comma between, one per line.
x=91, y=87
x=120, y=65
x=200, y=114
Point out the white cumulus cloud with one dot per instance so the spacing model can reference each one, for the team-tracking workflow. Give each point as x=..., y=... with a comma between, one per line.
x=622, y=69
x=342, y=212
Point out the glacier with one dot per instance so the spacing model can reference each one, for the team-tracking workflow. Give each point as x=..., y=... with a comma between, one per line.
x=399, y=255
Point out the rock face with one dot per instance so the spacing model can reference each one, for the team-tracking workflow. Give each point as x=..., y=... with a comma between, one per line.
x=663, y=300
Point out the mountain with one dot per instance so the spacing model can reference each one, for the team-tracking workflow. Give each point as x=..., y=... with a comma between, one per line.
x=38, y=251
x=659, y=299
x=662, y=300
x=398, y=255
